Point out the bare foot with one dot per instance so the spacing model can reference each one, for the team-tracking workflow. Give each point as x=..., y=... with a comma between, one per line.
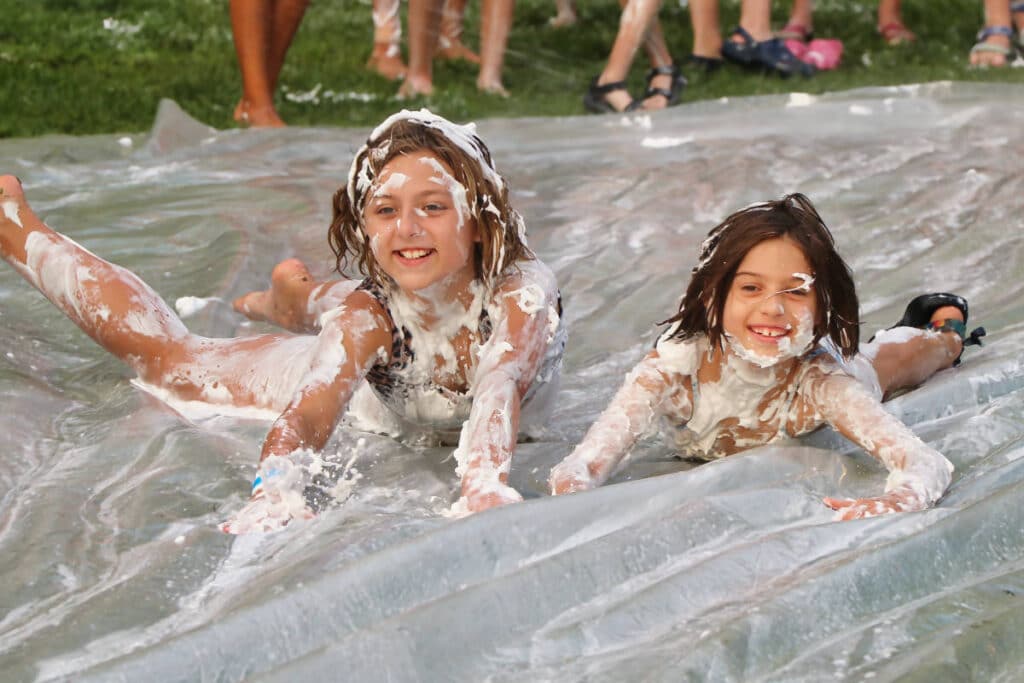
x=492, y=87
x=284, y=304
x=455, y=50
x=388, y=63
x=415, y=86
x=563, y=20
x=566, y=15
x=258, y=117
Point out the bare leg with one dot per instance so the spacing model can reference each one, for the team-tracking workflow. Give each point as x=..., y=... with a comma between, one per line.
x=707, y=33
x=907, y=363
x=450, y=45
x=637, y=18
x=565, y=14
x=993, y=50
x=424, y=21
x=124, y=316
x=756, y=19
x=386, y=58
x=263, y=31
x=495, y=24
x=890, y=23
x=658, y=54
x=801, y=17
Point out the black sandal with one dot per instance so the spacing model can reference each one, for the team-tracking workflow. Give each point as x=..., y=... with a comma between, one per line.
x=594, y=101
x=671, y=95
x=919, y=314
x=701, y=64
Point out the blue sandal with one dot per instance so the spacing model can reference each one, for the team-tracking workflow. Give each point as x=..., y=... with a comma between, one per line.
x=981, y=44
x=768, y=55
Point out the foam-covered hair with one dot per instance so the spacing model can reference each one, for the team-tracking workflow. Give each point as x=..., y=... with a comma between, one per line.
x=501, y=228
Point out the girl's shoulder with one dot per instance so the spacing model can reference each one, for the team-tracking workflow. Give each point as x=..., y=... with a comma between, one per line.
x=529, y=283
x=680, y=356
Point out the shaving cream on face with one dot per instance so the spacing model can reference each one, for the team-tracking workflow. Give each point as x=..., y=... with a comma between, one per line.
x=456, y=189
x=789, y=347
x=12, y=212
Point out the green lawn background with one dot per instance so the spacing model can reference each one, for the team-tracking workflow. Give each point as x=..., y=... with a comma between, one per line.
x=101, y=66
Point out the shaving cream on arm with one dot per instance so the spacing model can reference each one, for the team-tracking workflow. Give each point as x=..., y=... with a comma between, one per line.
x=919, y=473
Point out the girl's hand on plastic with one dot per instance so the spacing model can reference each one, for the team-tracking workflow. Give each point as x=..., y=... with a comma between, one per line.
x=491, y=497
x=570, y=477
x=276, y=500
x=265, y=512
x=899, y=500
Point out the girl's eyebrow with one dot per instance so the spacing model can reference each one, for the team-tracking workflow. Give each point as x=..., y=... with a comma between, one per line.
x=440, y=191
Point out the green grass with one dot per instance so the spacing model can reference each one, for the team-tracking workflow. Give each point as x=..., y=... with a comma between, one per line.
x=63, y=72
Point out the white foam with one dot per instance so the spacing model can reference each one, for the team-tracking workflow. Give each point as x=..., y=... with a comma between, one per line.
x=12, y=213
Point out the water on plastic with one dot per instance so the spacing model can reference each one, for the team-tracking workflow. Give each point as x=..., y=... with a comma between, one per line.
x=113, y=567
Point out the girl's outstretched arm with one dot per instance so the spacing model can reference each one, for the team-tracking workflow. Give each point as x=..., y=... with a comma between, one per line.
x=918, y=474
x=527, y=323
x=353, y=339
x=295, y=300
x=630, y=414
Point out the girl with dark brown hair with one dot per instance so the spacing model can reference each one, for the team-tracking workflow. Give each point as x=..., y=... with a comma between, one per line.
x=455, y=329
x=765, y=346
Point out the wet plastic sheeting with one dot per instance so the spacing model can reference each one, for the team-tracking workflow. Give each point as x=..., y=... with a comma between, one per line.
x=112, y=564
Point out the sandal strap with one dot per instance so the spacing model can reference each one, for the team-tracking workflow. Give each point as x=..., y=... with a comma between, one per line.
x=651, y=92
x=989, y=31
x=960, y=327
x=607, y=87
x=742, y=33
x=663, y=70
x=995, y=49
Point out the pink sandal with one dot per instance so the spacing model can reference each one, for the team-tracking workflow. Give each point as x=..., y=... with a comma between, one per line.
x=823, y=53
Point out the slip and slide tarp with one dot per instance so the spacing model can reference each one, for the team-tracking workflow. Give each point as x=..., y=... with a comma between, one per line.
x=112, y=564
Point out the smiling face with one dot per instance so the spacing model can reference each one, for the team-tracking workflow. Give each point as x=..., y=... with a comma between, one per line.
x=419, y=225
x=770, y=308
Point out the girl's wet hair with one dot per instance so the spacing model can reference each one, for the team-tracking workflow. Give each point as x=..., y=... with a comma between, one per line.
x=501, y=228
x=793, y=216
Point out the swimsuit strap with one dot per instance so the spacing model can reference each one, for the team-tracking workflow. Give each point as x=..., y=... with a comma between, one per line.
x=382, y=374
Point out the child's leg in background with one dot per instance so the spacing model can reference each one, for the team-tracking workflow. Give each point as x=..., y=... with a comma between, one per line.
x=449, y=43
x=660, y=58
x=995, y=45
x=565, y=14
x=801, y=16
x=756, y=19
x=890, y=23
x=634, y=24
x=424, y=22
x=262, y=33
x=128, y=319
x=707, y=31
x=495, y=24
x=386, y=58
x=905, y=362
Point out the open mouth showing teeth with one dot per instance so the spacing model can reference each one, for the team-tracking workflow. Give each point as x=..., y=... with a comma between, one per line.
x=413, y=254
x=772, y=332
